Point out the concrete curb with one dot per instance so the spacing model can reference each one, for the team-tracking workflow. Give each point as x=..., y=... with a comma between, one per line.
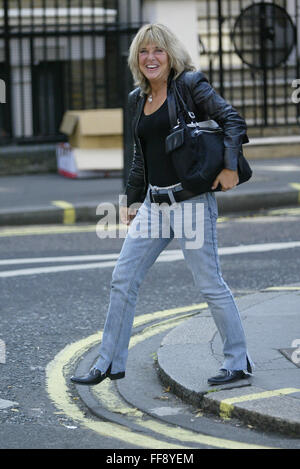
x=28, y=159
x=278, y=414
x=48, y=214
x=248, y=201
x=86, y=212
x=261, y=415
x=269, y=400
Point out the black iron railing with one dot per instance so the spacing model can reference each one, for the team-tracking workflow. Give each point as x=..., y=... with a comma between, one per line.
x=57, y=55
x=69, y=54
x=250, y=52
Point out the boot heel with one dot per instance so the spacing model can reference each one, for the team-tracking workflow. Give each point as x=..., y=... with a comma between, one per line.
x=117, y=375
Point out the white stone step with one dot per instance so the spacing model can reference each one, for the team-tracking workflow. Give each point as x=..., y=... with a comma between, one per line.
x=273, y=147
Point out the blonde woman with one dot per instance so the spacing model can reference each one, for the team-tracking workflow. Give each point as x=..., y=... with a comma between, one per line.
x=156, y=59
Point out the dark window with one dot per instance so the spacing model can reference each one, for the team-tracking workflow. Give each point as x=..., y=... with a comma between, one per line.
x=48, y=101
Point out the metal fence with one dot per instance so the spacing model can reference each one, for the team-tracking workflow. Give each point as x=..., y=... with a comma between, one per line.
x=69, y=54
x=250, y=52
x=57, y=55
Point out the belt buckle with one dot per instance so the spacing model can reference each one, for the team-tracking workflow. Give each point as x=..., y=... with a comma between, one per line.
x=154, y=198
x=172, y=199
x=153, y=194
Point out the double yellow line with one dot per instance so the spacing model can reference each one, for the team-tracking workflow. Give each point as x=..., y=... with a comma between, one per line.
x=179, y=438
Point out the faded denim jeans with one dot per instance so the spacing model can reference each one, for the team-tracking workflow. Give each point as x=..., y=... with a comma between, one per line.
x=149, y=233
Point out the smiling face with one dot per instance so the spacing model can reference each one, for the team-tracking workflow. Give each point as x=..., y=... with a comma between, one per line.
x=154, y=63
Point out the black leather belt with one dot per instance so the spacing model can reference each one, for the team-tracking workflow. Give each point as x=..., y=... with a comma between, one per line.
x=179, y=196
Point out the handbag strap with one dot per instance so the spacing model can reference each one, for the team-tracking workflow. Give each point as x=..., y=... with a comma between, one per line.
x=178, y=110
x=182, y=105
x=176, y=113
x=172, y=108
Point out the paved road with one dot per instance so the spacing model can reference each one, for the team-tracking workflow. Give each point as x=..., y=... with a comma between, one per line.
x=43, y=312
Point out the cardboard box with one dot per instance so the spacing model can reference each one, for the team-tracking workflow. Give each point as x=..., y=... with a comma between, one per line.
x=94, y=128
x=95, y=145
x=93, y=162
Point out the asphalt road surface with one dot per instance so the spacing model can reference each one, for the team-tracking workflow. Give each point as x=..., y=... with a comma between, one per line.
x=52, y=297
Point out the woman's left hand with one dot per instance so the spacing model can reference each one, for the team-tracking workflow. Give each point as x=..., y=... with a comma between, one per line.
x=227, y=178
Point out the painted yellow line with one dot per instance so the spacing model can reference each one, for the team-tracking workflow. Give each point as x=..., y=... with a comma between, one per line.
x=69, y=211
x=59, y=393
x=56, y=229
x=145, y=318
x=45, y=230
x=281, y=289
x=107, y=396
x=63, y=229
x=283, y=211
x=296, y=186
x=226, y=405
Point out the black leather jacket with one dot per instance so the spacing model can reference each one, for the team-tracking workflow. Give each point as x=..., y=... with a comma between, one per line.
x=205, y=103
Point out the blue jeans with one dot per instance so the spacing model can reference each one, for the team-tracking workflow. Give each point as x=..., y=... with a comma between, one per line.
x=149, y=233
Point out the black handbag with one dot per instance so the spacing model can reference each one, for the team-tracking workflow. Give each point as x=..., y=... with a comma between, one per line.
x=197, y=149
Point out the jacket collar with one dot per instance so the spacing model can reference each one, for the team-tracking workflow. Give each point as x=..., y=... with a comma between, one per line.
x=142, y=100
x=140, y=107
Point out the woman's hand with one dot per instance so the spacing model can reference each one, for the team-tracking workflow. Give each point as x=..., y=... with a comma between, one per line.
x=227, y=178
x=127, y=214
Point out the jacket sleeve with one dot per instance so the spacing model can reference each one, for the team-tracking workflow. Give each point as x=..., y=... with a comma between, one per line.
x=135, y=186
x=234, y=126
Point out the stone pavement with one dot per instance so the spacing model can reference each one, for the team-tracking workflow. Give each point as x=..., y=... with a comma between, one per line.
x=270, y=398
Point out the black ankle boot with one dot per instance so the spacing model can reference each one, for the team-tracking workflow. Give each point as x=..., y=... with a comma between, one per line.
x=95, y=376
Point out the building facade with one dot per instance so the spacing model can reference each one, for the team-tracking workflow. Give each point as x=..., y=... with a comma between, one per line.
x=60, y=55
x=57, y=55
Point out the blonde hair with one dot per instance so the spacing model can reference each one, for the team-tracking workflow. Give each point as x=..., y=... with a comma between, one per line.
x=161, y=36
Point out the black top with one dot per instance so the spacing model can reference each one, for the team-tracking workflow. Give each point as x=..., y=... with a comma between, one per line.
x=152, y=131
